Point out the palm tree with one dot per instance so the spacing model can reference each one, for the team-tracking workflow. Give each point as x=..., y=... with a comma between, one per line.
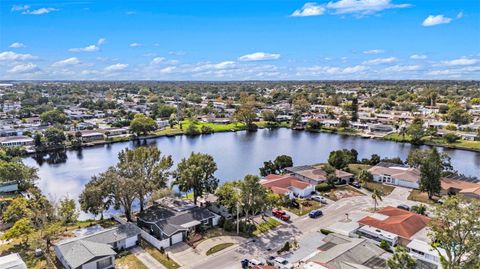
x=376, y=195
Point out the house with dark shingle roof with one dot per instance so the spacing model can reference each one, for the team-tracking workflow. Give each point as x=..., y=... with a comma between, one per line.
x=172, y=220
x=97, y=250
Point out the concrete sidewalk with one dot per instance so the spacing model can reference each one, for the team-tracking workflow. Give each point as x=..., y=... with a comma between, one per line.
x=146, y=258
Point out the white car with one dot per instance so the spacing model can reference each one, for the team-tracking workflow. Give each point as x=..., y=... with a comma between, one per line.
x=319, y=198
x=282, y=263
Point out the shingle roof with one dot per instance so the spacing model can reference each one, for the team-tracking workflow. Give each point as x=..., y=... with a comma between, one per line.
x=120, y=232
x=280, y=184
x=79, y=252
x=400, y=222
x=169, y=221
x=408, y=174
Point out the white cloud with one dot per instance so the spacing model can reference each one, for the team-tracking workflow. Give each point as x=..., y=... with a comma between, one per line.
x=135, y=44
x=402, y=68
x=40, y=11
x=158, y=60
x=374, y=51
x=17, y=45
x=101, y=41
x=20, y=7
x=362, y=7
x=12, y=56
x=25, y=68
x=259, y=56
x=218, y=66
x=67, y=62
x=380, y=61
x=116, y=67
x=460, y=61
x=418, y=57
x=168, y=69
x=460, y=15
x=433, y=20
x=455, y=72
x=309, y=9
x=89, y=48
x=329, y=70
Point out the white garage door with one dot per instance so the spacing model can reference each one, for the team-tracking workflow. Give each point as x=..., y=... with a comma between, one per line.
x=130, y=242
x=177, y=238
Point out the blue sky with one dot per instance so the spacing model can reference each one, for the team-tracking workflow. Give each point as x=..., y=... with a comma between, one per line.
x=240, y=40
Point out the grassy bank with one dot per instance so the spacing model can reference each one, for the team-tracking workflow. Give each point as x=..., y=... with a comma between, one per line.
x=218, y=248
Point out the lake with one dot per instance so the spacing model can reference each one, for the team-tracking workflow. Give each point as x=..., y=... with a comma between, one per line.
x=236, y=154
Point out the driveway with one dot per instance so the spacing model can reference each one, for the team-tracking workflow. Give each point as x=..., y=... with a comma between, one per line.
x=146, y=258
x=204, y=246
x=400, y=194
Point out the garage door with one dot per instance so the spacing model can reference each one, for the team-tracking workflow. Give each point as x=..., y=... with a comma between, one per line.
x=177, y=238
x=130, y=242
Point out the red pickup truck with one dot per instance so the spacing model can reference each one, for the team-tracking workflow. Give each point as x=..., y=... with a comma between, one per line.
x=280, y=214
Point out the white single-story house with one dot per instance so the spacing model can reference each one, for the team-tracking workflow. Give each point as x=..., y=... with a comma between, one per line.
x=16, y=141
x=97, y=250
x=287, y=185
x=396, y=174
x=423, y=251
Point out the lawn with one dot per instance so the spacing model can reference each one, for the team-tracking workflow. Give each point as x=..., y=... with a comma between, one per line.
x=385, y=189
x=27, y=252
x=159, y=256
x=216, y=127
x=305, y=207
x=458, y=144
x=418, y=196
x=218, y=248
x=270, y=224
x=127, y=260
x=355, y=168
x=398, y=137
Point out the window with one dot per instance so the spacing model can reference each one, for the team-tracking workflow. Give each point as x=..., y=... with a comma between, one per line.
x=105, y=263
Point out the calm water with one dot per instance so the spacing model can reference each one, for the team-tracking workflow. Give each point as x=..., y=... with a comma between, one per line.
x=236, y=154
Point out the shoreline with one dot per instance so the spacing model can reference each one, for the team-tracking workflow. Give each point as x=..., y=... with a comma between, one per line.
x=182, y=133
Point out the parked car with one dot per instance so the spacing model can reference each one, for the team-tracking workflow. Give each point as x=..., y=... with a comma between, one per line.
x=271, y=260
x=404, y=207
x=356, y=184
x=282, y=263
x=245, y=263
x=280, y=214
x=253, y=262
x=315, y=213
x=319, y=199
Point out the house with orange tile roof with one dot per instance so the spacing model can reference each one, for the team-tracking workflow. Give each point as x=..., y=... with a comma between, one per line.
x=396, y=174
x=287, y=185
x=394, y=225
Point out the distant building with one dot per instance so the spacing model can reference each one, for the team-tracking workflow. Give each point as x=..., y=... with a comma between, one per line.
x=16, y=141
x=12, y=261
x=9, y=186
x=315, y=174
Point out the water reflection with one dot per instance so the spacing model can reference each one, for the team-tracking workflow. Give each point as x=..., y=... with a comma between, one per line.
x=236, y=154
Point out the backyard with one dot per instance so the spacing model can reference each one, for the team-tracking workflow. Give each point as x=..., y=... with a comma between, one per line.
x=340, y=192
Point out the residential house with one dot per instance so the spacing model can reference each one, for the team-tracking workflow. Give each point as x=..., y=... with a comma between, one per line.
x=8, y=186
x=16, y=141
x=97, y=250
x=316, y=175
x=174, y=219
x=453, y=185
x=424, y=253
x=396, y=174
x=338, y=251
x=91, y=135
x=12, y=261
x=289, y=186
x=393, y=225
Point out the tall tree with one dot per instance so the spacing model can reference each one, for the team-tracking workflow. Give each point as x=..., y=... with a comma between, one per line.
x=147, y=167
x=229, y=195
x=455, y=228
x=430, y=173
x=67, y=210
x=142, y=125
x=15, y=170
x=196, y=174
x=246, y=111
x=401, y=259
x=253, y=196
